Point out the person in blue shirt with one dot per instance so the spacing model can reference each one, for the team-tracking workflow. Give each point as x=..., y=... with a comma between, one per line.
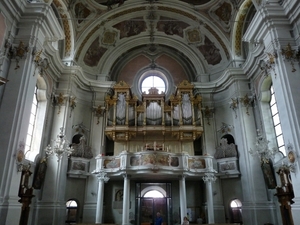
x=158, y=220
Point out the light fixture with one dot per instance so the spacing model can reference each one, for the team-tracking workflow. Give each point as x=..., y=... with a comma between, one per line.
x=18, y=52
x=208, y=113
x=247, y=101
x=262, y=149
x=234, y=105
x=291, y=55
x=41, y=63
x=59, y=147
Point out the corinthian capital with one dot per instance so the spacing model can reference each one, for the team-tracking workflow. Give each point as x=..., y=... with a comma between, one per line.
x=209, y=177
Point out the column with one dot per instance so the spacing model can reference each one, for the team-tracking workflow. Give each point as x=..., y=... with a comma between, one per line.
x=182, y=195
x=126, y=200
x=99, y=209
x=208, y=179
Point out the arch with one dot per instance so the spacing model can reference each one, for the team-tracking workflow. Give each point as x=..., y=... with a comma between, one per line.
x=151, y=188
x=62, y=11
x=235, y=206
x=265, y=97
x=153, y=194
x=72, y=207
x=160, y=52
x=238, y=28
x=230, y=138
x=35, y=130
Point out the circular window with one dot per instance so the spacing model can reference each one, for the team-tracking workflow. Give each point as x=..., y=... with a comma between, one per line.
x=151, y=79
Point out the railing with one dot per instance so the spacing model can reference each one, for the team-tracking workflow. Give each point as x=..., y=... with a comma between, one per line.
x=151, y=161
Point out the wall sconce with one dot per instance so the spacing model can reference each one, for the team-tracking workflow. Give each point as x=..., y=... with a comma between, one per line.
x=59, y=100
x=99, y=111
x=41, y=63
x=262, y=150
x=59, y=147
x=233, y=105
x=291, y=55
x=246, y=101
x=16, y=52
x=208, y=113
x=72, y=103
x=269, y=64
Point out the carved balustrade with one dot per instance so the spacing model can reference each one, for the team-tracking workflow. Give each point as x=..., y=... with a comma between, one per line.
x=146, y=162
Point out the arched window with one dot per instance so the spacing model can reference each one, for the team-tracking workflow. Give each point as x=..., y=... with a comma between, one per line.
x=276, y=122
x=153, y=194
x=71, y=211
x=236, y=211
x=32, y=121
x=36, y=122
x=270, y=116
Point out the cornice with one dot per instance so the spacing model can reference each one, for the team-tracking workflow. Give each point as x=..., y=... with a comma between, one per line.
x=230, y=76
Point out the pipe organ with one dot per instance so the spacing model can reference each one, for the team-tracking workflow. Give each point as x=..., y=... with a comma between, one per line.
x=130, y=118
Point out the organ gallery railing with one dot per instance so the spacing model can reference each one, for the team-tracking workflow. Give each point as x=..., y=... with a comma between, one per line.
x=179, y=116
x=153, y=161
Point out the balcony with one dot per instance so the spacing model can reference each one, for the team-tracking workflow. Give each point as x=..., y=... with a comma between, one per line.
x=156, y=164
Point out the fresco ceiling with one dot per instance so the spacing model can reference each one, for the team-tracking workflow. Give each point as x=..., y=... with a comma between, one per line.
x=103, y=31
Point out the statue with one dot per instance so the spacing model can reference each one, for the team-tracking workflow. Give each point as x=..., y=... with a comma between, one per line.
x=225, y=150
x=81, y=149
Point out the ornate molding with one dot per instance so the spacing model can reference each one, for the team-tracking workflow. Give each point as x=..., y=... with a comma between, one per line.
x=209, y=177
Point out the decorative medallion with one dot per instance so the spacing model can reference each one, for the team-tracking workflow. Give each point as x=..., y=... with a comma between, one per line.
x=109, y=38
x=193, y=36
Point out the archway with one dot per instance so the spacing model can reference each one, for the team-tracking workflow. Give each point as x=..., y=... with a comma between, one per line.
x=153, y=199
x=236, y=211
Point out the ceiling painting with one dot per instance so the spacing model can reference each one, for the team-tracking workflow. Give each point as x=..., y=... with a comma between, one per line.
x=171, y=27
x=94, y=54
x=81, y=12
x=132, y=27
x=210, y=52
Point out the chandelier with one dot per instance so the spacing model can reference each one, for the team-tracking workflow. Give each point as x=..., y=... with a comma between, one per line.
x=59, y=147
x=262, y=149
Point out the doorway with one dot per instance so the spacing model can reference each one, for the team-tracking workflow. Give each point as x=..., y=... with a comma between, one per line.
x=151, y=199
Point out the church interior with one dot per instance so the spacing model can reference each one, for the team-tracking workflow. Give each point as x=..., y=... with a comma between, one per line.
x=117, y=111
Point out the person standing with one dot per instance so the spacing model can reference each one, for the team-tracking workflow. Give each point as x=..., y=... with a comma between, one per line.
x=185, y=221
x=158, y=220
